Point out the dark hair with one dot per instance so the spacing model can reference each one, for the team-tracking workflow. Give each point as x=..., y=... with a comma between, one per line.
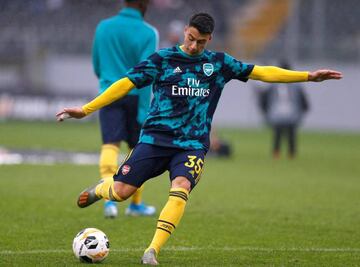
x=203, y=22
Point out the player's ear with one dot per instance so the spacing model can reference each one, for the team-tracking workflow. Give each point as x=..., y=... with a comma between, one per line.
x=210, y=37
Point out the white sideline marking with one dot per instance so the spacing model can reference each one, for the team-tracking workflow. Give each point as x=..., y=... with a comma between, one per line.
x=254, y=249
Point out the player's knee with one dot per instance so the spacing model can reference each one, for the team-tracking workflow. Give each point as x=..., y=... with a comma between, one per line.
x=124, y=191
x=181, y=182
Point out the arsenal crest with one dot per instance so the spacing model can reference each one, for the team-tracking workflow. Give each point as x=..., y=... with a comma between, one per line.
x=208, y=69
x=125, y=169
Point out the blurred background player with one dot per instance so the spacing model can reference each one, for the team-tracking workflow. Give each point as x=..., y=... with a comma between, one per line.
x=284, y=106
x=121, y=42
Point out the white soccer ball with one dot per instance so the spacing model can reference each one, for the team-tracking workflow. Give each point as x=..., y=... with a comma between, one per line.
x=91, y=245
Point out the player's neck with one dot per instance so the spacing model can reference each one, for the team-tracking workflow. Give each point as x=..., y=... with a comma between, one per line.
x=182, y=47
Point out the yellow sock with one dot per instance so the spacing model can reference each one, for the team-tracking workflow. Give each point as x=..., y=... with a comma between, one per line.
x=137, y=196
x=106, y=190
x=169, y=217
x=108, y=163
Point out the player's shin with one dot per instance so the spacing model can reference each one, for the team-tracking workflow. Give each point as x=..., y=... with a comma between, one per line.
x=108, y=165
x=108, y=162
x=106, y=190
x=169, y=217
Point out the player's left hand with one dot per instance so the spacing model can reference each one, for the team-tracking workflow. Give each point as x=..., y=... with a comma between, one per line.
x=66, y=113
x=322, y=75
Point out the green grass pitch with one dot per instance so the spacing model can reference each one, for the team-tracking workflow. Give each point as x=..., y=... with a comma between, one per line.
x=246, y=211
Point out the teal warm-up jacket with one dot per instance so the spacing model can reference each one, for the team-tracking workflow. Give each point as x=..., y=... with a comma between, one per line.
x=121, y=42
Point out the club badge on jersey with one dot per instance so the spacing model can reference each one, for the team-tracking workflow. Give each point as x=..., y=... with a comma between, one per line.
x=125, y=169
x=208, y=69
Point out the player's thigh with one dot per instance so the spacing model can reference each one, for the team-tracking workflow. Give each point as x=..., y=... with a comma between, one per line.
x=187, y=164
x=113, y=123
x=142, y=163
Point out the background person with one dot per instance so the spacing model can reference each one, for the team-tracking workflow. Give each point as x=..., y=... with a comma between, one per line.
x=284, y=106
x=116, y=49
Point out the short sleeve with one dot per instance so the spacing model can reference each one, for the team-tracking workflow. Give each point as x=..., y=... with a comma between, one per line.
x=235, y=69
x=146, y=72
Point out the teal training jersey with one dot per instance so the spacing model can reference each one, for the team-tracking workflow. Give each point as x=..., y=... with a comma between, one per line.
x=186, y=92
x=121, y=42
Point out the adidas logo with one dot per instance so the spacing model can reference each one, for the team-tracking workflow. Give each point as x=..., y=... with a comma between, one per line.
x=177, y=70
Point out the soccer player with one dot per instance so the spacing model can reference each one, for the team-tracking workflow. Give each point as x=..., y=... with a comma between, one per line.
x=187, y=84
x=115, y=50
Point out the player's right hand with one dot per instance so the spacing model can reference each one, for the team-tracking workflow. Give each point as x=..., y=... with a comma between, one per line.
x=67, y=113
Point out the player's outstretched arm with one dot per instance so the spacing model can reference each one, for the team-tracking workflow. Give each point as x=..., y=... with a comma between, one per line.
x=278, y=75
x=116, y=91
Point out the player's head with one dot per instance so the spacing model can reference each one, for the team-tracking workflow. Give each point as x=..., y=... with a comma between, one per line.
x=198, y=33
x=141, y=5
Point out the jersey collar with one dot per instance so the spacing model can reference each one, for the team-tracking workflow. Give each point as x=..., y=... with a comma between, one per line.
x=187, y=55
x=131, y=12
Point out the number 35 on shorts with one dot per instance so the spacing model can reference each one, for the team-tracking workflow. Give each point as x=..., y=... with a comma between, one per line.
x=196, y=164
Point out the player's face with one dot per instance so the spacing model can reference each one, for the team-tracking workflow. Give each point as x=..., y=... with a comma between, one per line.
x=195, y=42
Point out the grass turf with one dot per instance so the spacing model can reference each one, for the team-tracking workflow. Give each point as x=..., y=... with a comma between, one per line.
x=246, y=211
